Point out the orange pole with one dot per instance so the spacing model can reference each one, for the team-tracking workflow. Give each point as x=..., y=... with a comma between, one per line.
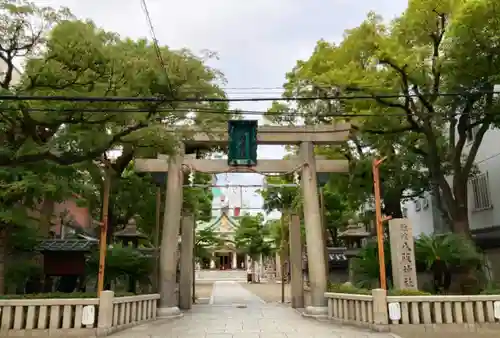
x=104, y=230
x=378, y=220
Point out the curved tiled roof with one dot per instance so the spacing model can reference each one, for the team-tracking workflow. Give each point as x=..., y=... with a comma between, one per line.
x=217, y=221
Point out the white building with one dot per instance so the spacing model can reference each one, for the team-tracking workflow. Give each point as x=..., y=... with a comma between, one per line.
x=483, y=191
x=483, y=203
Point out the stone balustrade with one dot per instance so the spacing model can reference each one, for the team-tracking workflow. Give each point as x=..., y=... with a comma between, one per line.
x=63, y=317
x=44, y=317
x=402, y=314
x=128, y=311
x=350, y=308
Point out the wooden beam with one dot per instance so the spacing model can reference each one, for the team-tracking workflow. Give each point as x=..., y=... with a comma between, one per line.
x=273, y=135
x=220, y=166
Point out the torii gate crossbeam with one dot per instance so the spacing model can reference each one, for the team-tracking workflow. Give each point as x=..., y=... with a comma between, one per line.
x=305, y=137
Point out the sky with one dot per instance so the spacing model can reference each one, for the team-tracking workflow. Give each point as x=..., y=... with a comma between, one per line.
x=257, y=42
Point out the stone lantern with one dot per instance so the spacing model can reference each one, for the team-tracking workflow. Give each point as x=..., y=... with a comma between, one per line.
x=130, y=234
x=354, y=238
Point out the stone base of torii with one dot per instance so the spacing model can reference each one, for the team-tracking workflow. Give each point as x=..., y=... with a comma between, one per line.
x=306, y=163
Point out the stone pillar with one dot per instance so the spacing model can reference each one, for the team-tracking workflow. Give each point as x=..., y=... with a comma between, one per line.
x=169, y=241
x=187, y=256
x=380, y=315
x=261, y=267
x=105, y=313
x=234, y=265
x=297, y=283
x=314, y=231
x=278, y=265
x=404, y=271
x=212, y=261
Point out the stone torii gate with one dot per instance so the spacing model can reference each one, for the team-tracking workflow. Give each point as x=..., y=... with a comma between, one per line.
x=304, y=136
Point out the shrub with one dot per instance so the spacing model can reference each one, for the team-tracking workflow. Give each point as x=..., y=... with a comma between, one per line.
x=408, y=293
x=346, y=288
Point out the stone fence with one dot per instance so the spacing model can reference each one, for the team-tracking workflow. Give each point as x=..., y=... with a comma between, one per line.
x=77, y=317
x=404, y=314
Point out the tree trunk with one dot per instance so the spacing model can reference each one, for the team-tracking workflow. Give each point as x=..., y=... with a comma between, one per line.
x=461, y=221
x=455, y=201
x=460, y=211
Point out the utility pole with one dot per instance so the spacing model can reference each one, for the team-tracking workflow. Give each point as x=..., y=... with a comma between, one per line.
x=378, y=221
x=104, y=228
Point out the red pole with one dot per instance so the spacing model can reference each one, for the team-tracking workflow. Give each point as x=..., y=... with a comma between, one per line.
x=378, y=220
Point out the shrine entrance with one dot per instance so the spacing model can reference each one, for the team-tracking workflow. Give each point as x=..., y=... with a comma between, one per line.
x=224, y=260
x=241, y=135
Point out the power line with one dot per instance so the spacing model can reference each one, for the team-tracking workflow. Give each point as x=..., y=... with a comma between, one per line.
x=214, y=111
x=156, y=47
x=219, y=99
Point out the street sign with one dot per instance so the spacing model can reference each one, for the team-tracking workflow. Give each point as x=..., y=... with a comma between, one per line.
x=242, y=143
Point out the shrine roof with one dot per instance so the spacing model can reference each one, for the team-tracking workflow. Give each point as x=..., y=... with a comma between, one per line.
x=354, y=231
x=218, y=221
x=65, y=245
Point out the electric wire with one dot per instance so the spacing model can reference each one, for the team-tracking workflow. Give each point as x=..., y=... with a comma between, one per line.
x=230, y=112
x=221, y=99
x=157, y=49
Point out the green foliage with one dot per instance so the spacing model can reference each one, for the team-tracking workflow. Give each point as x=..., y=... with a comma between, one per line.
x=284, y=199
x=18, y=271
x=366, y=265
x=456, y=251
x=252, y=236
x=346, y=288
x=408, y=293
x=198, y=201
x=49, y=150
x=123, y=262
x=205, y=239
x=423, y=52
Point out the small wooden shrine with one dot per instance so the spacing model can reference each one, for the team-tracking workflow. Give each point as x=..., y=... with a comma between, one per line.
x=65, y=257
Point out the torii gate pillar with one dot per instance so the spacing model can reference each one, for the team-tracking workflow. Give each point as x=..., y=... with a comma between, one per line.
x=314, y=231
x=168, y=305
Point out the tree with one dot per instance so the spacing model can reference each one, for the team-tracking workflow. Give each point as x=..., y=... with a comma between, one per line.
x=204, y=240
x=252, y=236
x=418, y=57
x=46, y=148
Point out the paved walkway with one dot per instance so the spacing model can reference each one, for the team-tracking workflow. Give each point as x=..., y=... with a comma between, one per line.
x=235, y=312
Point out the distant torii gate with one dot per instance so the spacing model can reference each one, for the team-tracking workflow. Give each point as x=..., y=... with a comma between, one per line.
x=304, y=136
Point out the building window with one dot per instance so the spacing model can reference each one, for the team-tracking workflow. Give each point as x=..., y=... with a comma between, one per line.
x=481, y=192
x=404, y=211
x=418, y=206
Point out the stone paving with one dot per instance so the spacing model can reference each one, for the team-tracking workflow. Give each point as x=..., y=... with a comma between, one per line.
x=234, y=312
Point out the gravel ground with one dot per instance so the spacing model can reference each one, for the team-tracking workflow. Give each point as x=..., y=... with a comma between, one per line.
x=271, y=292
